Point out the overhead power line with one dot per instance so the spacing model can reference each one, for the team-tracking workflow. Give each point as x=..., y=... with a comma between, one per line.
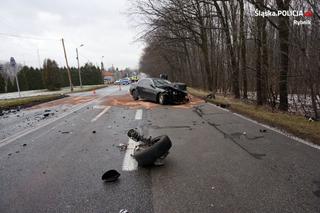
x=28, y=37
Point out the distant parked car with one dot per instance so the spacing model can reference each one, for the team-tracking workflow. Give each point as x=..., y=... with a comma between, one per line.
x=158, y=90
x=123, y=81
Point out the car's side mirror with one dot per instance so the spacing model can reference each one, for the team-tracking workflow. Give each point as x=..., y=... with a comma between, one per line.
x=151, y=85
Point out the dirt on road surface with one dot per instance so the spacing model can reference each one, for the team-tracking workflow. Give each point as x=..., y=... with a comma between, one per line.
x=127, y=101
x=65, y=101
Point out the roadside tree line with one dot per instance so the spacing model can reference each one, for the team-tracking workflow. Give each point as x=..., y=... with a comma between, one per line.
x=51, y=77
x=221, y=46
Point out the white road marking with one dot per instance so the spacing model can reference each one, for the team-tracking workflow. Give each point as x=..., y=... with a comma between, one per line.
x=100, y=114
x=98, y=107
x=129, y=163
x=300, y=140
x=28, y=131
x=138, y=114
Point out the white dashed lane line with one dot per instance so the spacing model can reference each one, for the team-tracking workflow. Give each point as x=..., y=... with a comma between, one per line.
x=138, y=114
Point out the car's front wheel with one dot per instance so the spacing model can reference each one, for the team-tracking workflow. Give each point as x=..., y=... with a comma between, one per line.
x=162, y=99
x=135, y=95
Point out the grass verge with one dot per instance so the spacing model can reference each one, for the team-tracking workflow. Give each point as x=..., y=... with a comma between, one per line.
x=28, y=101
x=34, y=100
x=295, y=124
x=88, y=88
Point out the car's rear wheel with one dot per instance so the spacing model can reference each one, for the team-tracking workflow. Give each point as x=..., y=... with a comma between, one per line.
x=162, y=99
x=135, y=95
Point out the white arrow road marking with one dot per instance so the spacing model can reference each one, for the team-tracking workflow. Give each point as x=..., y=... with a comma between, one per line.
x=129, y=163
x=100, y=114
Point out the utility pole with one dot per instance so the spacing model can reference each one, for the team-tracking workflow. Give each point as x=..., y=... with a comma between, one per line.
x=79, y=67
x=68, y=69
x=18, y=84
x=13, y=66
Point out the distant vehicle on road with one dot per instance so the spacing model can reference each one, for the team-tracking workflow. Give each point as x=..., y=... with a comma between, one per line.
x=158, y=90
x=123, y=81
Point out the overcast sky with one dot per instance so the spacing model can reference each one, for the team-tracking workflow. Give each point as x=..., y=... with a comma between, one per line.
x=101, y=25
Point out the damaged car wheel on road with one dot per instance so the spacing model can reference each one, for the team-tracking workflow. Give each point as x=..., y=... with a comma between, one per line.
x=151, y=151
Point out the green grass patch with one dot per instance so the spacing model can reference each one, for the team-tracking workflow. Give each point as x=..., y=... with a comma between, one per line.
x=28, y=101
x=292, y=123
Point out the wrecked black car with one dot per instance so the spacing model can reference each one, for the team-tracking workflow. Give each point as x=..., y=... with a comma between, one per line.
x=158, y=90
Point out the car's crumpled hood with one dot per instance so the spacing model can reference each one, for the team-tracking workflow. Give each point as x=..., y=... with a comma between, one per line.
x=171, y=87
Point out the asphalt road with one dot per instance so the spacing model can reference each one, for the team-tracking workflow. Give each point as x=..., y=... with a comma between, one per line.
x=219, y=162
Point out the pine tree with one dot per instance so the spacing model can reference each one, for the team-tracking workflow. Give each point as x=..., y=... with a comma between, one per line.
x=2, y=84
x=10, y=86
x=23, y=82
x=51, y=75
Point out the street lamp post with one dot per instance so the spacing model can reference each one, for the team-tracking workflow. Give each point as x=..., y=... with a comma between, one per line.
x=102, y=68
x=13, y=67
x=79, y=66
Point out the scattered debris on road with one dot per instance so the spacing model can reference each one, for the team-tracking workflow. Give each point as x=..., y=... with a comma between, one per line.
x=47, y=113
x=110, y=176
x=122, y=147
x=123, y=211
x=209, y=96
x=223, y=105
x=94, y=132
x=263, y=130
